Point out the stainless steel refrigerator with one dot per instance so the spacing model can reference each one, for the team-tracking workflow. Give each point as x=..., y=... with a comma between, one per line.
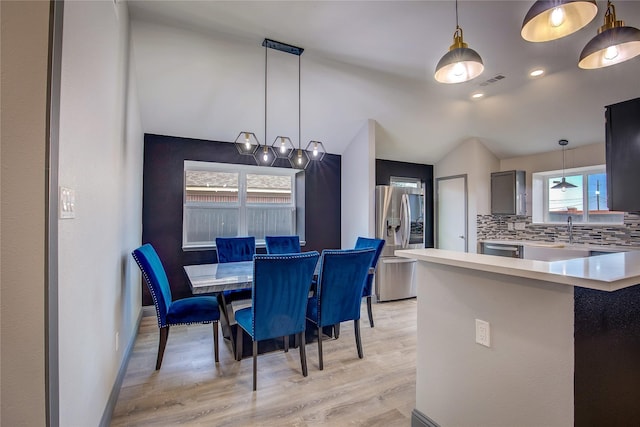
x=400, y=222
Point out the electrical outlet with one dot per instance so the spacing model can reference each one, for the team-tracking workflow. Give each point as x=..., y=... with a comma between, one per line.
x=519, y=225
x=510, y=226
x=483, y=333
x=117, y=341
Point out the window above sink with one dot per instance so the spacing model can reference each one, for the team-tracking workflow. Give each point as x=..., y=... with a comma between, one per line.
x=585, y=202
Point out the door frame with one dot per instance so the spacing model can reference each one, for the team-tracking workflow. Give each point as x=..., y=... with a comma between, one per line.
x=466, y=208
x=52, y=366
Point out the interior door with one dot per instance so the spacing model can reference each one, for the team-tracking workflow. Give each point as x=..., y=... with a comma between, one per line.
x=451, y=213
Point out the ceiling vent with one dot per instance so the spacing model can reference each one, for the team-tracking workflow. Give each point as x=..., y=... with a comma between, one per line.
x=492, y=80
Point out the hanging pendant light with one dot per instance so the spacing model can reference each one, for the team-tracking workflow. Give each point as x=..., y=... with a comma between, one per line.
x=553, y=19
x=614, y=43
x=247, y=143
x=563, y=185
x=298, y=158
x=282, y=146
x=316, y=150
x=461, y=63
x=264, y=156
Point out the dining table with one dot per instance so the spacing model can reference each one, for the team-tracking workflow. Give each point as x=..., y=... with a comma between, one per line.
x=219, y=277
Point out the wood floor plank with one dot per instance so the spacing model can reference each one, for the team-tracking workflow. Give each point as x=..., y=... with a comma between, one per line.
x=190, y=389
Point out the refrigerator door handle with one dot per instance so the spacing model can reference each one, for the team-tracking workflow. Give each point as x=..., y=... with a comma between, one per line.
x=405, y=210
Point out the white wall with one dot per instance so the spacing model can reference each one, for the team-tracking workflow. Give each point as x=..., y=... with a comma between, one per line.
x=524, y=379
x=358, y=181
x=586, y=155
x=23, y=109
x=101, y=159
x=203, y=85
x=471, y=157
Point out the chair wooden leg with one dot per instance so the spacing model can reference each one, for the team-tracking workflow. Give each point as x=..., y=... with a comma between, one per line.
x=336, y=330
x=164, y=334
x=286, y=343
x=370, y=311
x=303, y=354
x=356, y=327
x=238, y=343
x=320, y=347
x=215, y=341
x=255, y=364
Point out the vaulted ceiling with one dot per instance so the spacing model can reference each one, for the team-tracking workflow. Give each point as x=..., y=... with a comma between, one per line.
x=360, y=47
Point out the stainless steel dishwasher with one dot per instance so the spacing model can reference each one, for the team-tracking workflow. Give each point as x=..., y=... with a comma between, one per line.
x=501, y=249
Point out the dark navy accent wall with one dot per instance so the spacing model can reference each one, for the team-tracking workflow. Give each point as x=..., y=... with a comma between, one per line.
x=385, y=169
x=607, y=357
x=163, y=173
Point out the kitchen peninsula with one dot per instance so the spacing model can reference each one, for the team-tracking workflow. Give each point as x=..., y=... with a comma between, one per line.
x=564, y=340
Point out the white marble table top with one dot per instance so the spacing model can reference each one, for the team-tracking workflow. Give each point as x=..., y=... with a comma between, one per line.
x=608, y=272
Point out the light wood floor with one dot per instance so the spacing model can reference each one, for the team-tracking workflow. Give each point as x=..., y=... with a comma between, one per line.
x=191, y=389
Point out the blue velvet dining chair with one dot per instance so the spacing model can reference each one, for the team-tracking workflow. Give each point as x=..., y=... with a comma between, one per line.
x=235, y=249
x=200, y=309
x=338, y=297
x=377, y=244
x=282, y=244
x=278, y=302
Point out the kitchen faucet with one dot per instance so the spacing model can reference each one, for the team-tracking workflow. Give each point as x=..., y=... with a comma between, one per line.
x=570, y=229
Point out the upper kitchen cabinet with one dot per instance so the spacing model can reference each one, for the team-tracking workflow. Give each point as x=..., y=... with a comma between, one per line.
x=623, y=155
x=508, y=193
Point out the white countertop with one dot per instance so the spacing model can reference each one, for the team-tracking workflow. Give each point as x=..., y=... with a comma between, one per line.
x=608, y=272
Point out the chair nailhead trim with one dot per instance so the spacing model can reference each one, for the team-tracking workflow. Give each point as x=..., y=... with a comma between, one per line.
x=150, y=286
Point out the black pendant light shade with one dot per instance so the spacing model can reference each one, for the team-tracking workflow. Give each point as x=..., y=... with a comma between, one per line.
x=460, y=64
x=614, y=43
x=553, y=19
x=563, y=184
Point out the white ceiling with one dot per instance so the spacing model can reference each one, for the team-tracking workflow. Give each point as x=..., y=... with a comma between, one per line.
x=401, y=42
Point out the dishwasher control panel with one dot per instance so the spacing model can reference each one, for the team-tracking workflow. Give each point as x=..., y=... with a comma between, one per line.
x=501, y=249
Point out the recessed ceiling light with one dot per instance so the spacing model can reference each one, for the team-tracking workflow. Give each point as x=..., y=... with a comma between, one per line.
x=477, y=95
x=537, y=72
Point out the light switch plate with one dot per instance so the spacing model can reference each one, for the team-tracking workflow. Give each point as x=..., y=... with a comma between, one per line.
x=67, y=203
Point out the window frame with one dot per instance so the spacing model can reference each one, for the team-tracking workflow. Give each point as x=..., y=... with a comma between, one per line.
x=242, y=204
x=540, y=196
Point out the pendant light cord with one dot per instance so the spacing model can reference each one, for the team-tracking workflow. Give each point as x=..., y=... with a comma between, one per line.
x=299, y=108
x=265, y=95
x=457, y=26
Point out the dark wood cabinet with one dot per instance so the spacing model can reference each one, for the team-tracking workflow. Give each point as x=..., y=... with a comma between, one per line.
x=623, y=155
x=508, y=193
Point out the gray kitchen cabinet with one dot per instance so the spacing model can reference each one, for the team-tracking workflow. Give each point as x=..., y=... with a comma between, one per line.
x=508, y=195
